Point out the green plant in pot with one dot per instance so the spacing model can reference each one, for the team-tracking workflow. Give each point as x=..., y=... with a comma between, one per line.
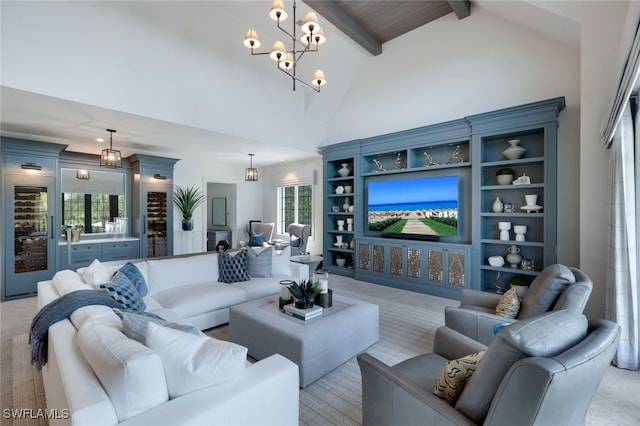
x=520, y=284
x=304, y=293
x=187, y=200
x=340, y=259
x=504, y=176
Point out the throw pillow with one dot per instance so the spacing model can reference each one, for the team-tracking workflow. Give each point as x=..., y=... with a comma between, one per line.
x=135, y=325
x=233, y=267
x=294, y=241
x=455, y=375
x=259, y=264
x=135, y=276
x=256, y=239
x=122, y=290
x=96, y=274
x=509, y=304
x=194, y=362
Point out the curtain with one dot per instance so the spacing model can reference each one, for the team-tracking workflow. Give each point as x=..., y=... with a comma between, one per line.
x=623, y=303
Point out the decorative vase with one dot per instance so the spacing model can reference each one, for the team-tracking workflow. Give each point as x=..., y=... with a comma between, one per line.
x=352, y=243
x=513, y=258
x=304, y=304
x=504, y=179
x=187, y=224
x=346, y=204
x=341, y=262
x=497, y=205
x=344, y=171
x=514, y=151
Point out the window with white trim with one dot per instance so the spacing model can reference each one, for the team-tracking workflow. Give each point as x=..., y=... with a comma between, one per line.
x=295, y=205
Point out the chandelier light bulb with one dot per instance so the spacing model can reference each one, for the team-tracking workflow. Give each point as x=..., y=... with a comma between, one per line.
x=287, y=64
x=278, y=51
x=318, y=78
x=316, y=38
x=310, y=24
x=278, y=13
x=251, y=39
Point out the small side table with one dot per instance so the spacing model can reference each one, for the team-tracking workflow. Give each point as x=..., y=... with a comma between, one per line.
x=313, y=260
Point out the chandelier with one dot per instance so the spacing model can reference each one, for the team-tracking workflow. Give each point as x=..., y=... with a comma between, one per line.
x=287, y=60
x=251, y=173
x=110, y=157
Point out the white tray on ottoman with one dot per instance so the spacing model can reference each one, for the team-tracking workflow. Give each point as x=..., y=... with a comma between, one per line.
x=317, y=345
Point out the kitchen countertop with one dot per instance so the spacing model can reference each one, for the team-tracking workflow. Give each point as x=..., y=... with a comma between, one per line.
x=100, y=240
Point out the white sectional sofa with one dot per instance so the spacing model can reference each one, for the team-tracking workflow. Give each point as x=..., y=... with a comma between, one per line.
x=104, y=378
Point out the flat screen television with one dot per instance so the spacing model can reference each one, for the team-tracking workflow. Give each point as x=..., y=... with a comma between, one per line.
x=413, y=207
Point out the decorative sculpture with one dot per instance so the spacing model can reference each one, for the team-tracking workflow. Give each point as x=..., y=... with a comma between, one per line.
x=378, y=165
x=429, y=160
x=455, y=156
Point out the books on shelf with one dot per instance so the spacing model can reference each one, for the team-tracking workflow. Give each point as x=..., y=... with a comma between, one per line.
x=303, y=314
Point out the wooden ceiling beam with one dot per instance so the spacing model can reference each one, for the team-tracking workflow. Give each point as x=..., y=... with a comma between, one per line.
x=347, y=25
x=462, y=8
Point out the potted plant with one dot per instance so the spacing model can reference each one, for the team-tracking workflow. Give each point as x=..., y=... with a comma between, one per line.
x=187, y=200
x=520, y=284
x=340, y=259
x=304, y=293
x=504, y=176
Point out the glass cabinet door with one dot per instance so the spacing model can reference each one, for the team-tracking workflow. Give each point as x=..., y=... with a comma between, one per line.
x=30, y=240
x=156, y=223
x=31, y=226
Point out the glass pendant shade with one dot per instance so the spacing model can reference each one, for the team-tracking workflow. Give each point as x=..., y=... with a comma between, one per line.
x=251, y=39
x=110, y=157
x=251, y=173
x=278, y=13
x=318, y=78
x=310, y=23
x=278, y=51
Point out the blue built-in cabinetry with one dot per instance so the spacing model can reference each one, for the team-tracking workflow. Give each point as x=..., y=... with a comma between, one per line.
x=470, y=151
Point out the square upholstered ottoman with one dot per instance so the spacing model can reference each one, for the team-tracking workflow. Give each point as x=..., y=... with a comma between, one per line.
x=318, y=345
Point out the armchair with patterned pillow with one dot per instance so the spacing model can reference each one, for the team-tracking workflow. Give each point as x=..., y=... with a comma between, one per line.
x=298, y=236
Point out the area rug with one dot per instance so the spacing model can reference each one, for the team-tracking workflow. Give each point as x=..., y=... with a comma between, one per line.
x=28, y=390
x=335, y=399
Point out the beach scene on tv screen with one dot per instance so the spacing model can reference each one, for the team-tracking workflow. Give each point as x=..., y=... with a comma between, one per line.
x=426, y=206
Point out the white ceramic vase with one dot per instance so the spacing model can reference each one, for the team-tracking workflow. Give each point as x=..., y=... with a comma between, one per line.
x=514, y=151
x=344, y=171
x=497, y=205
x=513, y=258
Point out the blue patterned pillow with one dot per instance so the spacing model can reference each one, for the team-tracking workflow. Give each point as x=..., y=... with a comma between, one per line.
x=123, y=291
x=233, y=267
x=256, y=239
x=132, y=272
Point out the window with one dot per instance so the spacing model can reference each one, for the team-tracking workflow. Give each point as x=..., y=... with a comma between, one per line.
x=92, y=211
x=295, y=204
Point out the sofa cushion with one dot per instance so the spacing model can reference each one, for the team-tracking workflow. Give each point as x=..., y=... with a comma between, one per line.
x=96, y=274
x=164, y=274
x=259, y=261
x=135, y=325
x=135, y=276
x=280, y=262
x=200, y=298
x=509, y=304
x=100, y=313
x=455, y=375
x=193, y=362
x=259, y=287
x=233, y=267
x=123, y=291
x=546, y=336
x=131, y=373
x=66, y=281
x=545, y=290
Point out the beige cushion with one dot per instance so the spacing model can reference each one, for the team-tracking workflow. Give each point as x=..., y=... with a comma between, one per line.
x=455, y=375
x=509, y=304
x=131, y=374
x=193, y=362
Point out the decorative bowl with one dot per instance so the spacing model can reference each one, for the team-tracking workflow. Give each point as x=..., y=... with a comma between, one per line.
x=504, y=179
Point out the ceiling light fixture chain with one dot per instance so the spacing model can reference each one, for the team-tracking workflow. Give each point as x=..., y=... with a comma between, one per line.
x=287, y=61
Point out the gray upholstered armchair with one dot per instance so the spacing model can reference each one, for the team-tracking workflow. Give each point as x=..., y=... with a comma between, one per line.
x=557, y=287
x=301, y=233
x=540, y=371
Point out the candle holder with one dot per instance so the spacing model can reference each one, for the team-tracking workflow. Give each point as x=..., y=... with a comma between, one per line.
x=325, y=297
x=285, y=295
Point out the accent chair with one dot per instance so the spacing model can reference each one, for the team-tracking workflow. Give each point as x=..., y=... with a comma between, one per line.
x=543, y=370
x=301, y=233
x=557, y=287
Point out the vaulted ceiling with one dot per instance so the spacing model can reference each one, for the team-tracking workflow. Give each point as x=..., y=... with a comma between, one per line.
x=173, y=78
